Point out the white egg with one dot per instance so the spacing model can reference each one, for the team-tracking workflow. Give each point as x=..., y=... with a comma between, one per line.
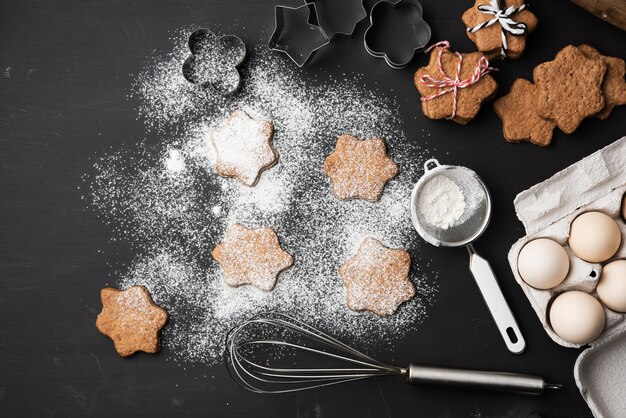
x=543, y=263
x=594, y=237
x=577, y=317
x=612, y=286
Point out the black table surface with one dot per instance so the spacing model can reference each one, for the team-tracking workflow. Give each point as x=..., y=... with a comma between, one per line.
x=66, y=71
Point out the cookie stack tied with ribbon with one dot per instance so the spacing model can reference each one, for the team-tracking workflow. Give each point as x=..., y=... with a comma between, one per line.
x=454, y=85
x=499, y=27
x=580, y=82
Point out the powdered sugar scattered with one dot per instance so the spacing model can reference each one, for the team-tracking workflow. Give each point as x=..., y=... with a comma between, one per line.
x=174, y=218
x=174, y=162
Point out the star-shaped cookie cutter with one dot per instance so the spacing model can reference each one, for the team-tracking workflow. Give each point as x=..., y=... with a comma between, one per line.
x=297, y=32
x=214, y=61
x=395, y=47
x=339, y=17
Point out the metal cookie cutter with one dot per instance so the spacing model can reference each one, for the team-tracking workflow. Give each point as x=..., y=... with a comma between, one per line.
x=214, y=61
x=339, y=17
x=298, y=33
x=397, y=31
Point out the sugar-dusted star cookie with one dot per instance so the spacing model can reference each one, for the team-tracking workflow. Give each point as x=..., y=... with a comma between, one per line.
x=377, y=278
x=251, y=256
x=518, y=111
x=613, y=86
x=131, y=319
x=569, y=88
x=499, y=27
x=243, y=147
x=359, y=169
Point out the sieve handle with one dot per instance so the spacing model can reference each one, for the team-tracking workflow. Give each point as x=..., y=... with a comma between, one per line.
x=431, y=162
x=499, y=308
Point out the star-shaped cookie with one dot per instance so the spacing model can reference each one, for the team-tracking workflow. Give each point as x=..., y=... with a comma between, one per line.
x=569, y=88
x=131, y=319
x=518, y=111
x=359, y=169
x=468, y=99
x=488, y=39
x=377, y=278
x=251, y=256
x=243, y=147
x=613, y=85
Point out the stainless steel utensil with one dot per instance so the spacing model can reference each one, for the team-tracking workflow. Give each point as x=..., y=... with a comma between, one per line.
x=464, y=232
x=214, y=61
x=275, y=353
x=297, y=32
x=397, y=31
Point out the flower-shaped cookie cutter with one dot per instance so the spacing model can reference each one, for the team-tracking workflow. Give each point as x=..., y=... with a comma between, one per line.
x=214, y=61
x=339, y=17
x=297, y=32
x=397, y=31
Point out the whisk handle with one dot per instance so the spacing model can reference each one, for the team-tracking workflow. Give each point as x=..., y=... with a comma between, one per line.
x=508, y=382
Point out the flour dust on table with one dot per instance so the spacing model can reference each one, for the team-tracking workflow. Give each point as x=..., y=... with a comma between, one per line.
x=165, y=198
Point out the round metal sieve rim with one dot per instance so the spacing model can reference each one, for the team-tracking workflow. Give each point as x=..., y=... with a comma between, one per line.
x=428, y=174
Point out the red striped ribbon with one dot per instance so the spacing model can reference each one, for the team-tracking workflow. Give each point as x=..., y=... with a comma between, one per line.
x=449, y=84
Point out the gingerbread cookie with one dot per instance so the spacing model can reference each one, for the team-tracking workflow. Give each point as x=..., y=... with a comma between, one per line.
x=518, y=111
x=243, y=147
x=251, y=256
x=377, y=278
x=613, y=86
x=359, y=169
x=569, y=88
x=131, y=319
x=454, y=85
x=499, y=27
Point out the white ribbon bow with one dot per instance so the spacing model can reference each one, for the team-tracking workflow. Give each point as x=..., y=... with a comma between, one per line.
x=503, y=17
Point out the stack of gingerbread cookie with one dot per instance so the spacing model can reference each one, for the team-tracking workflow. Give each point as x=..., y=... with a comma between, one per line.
x=454, y=85
x=579, y=83
x=499, y=27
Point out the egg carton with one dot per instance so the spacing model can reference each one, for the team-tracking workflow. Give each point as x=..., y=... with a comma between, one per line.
x=595, y=183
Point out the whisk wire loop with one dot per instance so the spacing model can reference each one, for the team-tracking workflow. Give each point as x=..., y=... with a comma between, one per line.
x=254, y=376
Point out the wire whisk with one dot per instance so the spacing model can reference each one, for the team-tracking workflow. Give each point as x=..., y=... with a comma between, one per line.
x=264, y=355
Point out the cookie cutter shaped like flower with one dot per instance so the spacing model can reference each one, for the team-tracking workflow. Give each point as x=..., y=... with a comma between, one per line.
x=397, y=31
x=297, y=32
x=339, y=17
x=214, y=61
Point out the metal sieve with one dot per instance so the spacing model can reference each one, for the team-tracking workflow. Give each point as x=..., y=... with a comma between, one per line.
x=464, y=232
